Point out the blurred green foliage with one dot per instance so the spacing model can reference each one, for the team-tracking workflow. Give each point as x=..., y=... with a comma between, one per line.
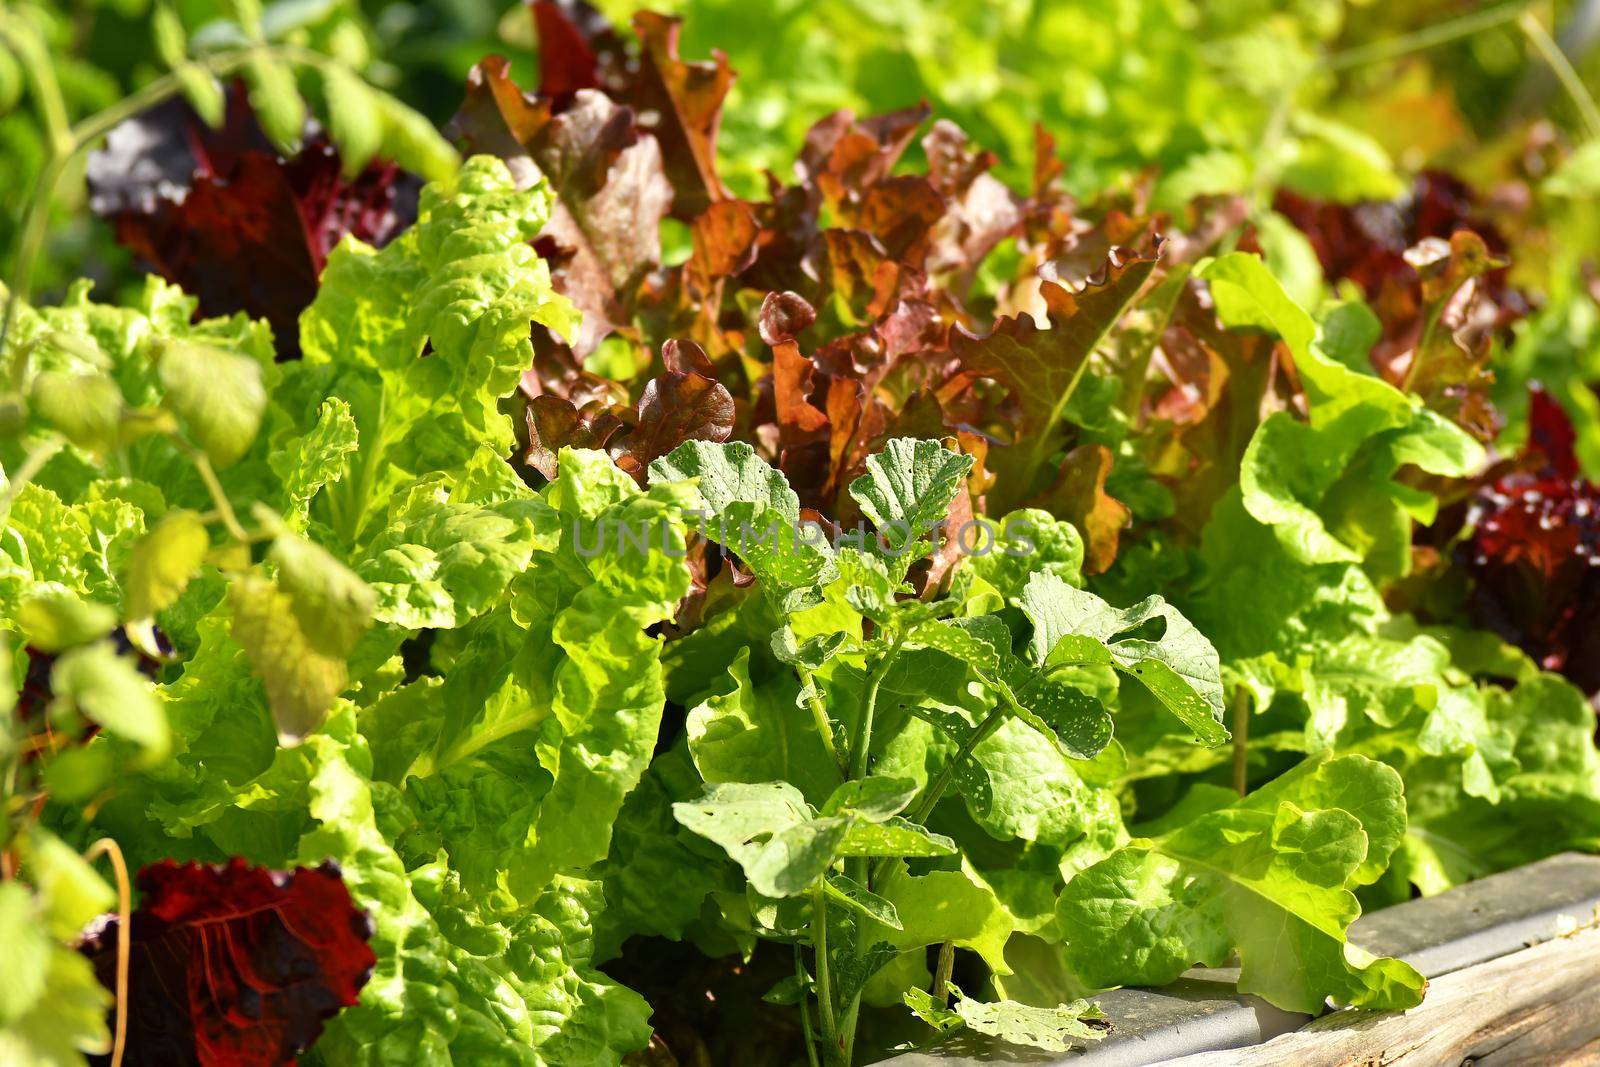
x=1339, y=99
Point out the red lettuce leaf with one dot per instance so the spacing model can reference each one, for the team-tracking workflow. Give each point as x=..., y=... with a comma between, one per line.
x=823, y=314
x=221, y=214
x=683, y=403
x=235, y=966
x=1534, y=552
x=578, y=49
x=685, y=100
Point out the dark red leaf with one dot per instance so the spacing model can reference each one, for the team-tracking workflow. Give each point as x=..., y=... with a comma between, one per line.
x=235, y=966
x=1432, y=268
x=857, y=268
x=783, y=316
x=844, y=156
x=1534, y=553
x=1447, y=362
x=871, y=267
x=900, y=212
x=1079, y=496
x=578, y=49
x=1222, y=383
x=497, y=117
x=554, y=423
x=1041, y=368
x=798, y=418
x=723, y=238
x=221, y=214
x=686, y=102
x=1551, y=439
x=684, y=404
x=981, y=211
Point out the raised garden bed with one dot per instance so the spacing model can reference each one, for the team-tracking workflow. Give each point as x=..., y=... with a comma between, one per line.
x=569, y=559
x=1513, y=963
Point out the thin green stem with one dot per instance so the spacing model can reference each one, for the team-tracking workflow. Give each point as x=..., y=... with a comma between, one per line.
x=805, y=1013
x=819, y=944
x=947, y=773
x=819, y=713
x=108, y=847
x=861, y=737
x=219, y=496
x=35, y=216
x=941, y=975
x=847, y=1030
x=1562, y=68
x=95, y=126
x=1241, y=741
x=25, y=44
x=858, y=867
x=1428, y=37
x=985, y=729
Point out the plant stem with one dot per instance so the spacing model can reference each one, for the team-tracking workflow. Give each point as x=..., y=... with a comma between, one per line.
x=107, y=847
x=219, y=496
x=861, y=738
x=941, y=976
x=1241, y=740
x=1427, y=37
x=858, y=868
x=92, y=128
x=947, y=773
x=35, y=215
x=25, y=43
x=1561, y=67
x=805, y=1014
x=818, y=712
x=992, y=722
x=819, y=945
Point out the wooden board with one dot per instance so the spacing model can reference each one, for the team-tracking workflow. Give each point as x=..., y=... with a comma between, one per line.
x=1537, y=1006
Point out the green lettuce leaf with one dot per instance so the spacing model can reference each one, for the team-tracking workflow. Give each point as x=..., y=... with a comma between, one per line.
x=906, y=491
x=1269, y=877
x=759, y=733
x=751, y=510
x=462, y=285
x=1178, y=665
x=1055, y=1029
x=1326, y=486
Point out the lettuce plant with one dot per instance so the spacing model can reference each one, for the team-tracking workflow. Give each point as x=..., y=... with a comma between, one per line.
x=918, y=602
x=821, y=777
x=276, y=536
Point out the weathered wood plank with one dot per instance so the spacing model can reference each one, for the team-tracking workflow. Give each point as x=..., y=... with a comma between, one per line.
x=1540, y=1005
